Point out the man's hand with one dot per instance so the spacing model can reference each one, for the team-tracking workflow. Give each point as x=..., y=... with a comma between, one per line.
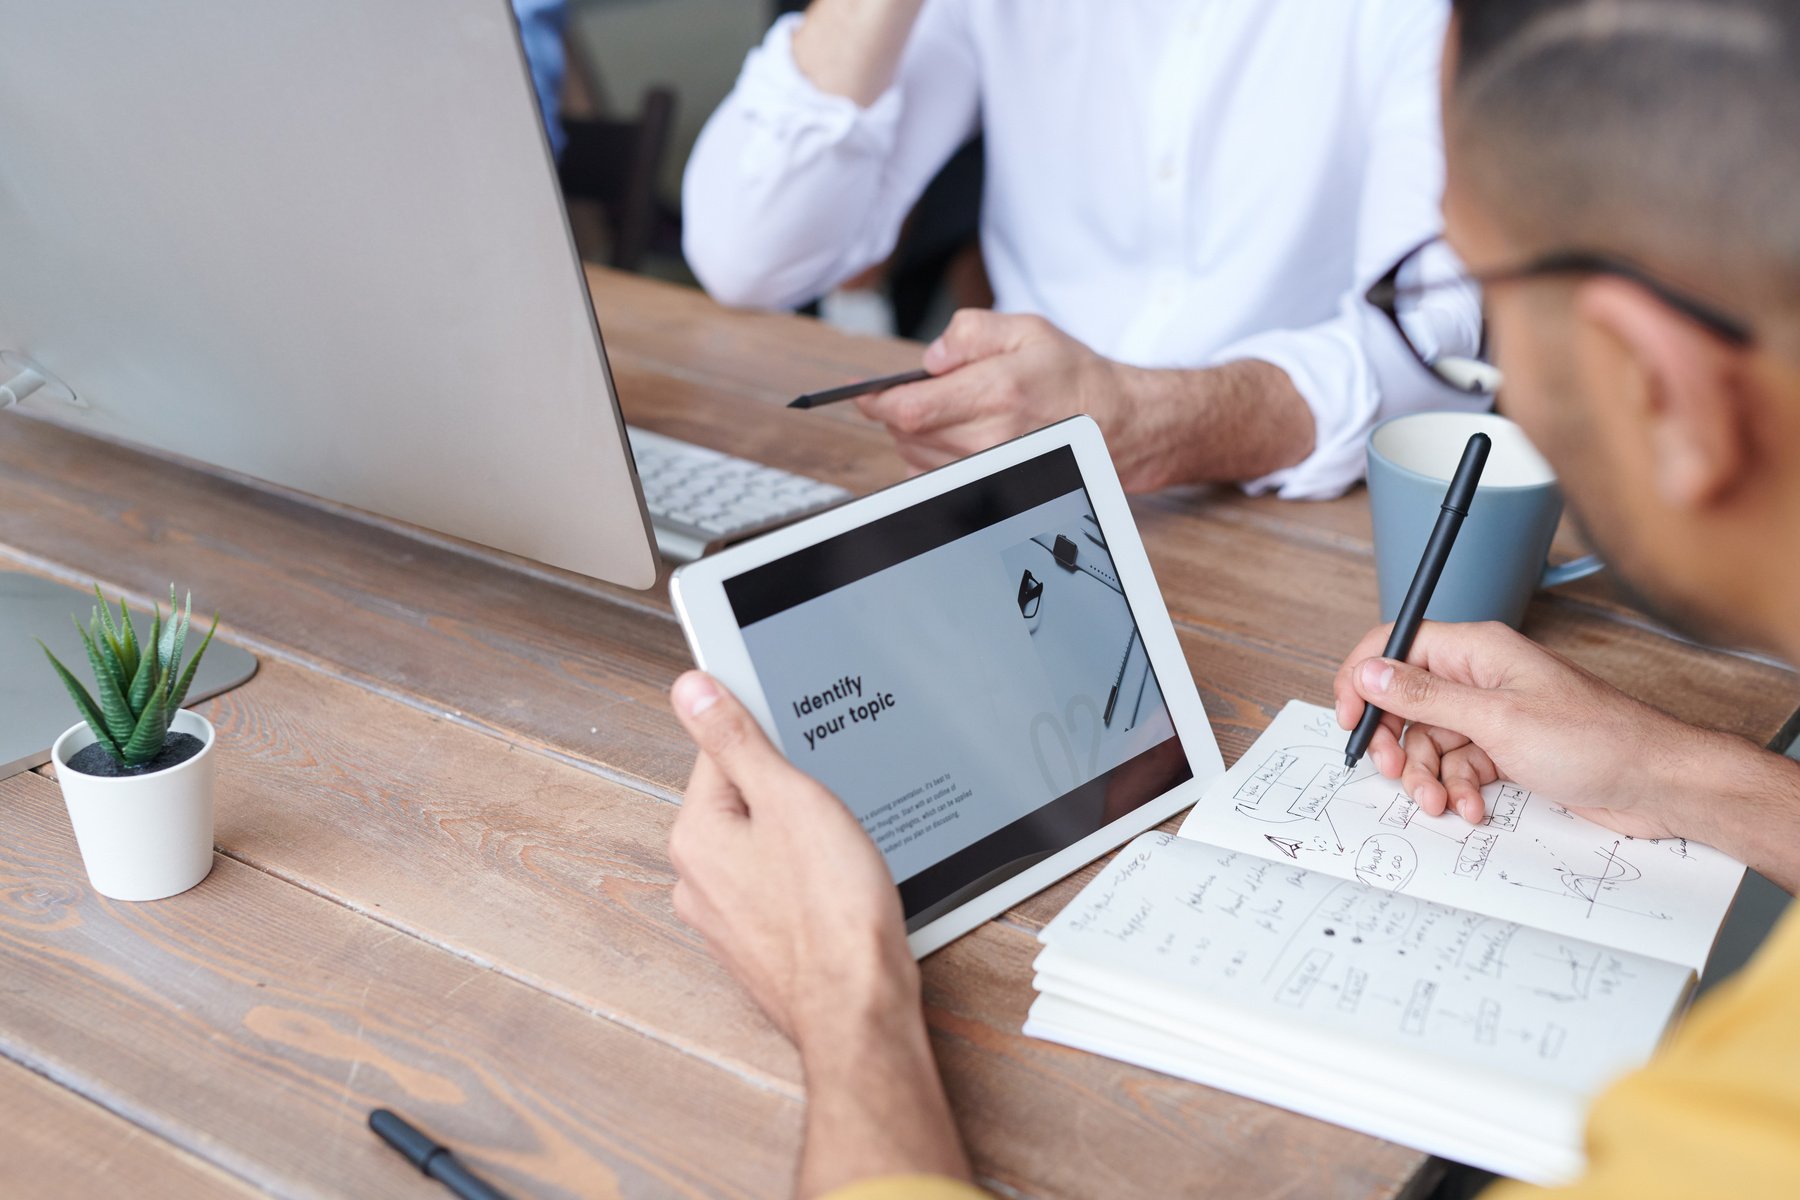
x=781, y=880
x=796, y=901
x=1486, y=703
x=999, y=376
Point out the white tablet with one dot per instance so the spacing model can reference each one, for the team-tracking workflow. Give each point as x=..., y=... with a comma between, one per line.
x=977, y=661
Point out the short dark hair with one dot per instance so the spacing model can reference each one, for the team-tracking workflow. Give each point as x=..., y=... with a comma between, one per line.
x=1665, y=131
x=1483, y=25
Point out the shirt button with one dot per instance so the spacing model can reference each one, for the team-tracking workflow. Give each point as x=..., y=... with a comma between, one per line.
x=1165, y=170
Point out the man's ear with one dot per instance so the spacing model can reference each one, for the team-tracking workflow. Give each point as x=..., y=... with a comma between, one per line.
x=1683, y=388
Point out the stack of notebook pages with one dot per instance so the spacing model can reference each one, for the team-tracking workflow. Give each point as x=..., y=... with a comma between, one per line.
x=1311, y=939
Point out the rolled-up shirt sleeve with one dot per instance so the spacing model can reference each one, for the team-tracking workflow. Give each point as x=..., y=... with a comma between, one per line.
x=791, y=190
x=1353, y=370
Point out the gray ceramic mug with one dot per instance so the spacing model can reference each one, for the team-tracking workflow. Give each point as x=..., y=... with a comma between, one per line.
x=1501, y=556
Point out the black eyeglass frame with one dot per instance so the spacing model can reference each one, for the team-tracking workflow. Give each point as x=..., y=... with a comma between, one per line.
x=1031, y=595
x=1385, y=294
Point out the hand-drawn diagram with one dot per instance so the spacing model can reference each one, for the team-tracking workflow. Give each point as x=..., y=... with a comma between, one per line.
x=1582, y=972
x=1477, y=847
x=1378, y=968
x=1298, y=784
x=1531, y=859
x=1600, y=884
x=1293, y=785
x=1612, y=872
x=1300, y=980
x=1301, y=783
x=1506, y=807
x=1400, y=812
x=1386, y=860
x=1288, y=846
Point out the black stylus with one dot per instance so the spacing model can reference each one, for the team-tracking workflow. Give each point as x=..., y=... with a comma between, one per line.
x=851, y=391
x=431, y=1158
x=1425, y=579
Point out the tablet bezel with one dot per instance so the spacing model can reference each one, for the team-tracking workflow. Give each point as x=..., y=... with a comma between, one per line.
x=698, y=593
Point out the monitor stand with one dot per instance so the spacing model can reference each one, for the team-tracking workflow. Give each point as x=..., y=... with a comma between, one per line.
x=34, y=708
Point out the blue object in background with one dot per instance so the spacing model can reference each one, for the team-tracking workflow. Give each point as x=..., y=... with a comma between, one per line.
x=541, y=25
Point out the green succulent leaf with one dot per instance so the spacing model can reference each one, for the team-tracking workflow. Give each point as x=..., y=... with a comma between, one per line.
x=128, y=661
x=167, y=636
x=120, y=720
x=84, y=703
x=148, y=677
x=108, y=633
x=174, y=636
x=97, y=634
x=152, y=730
x=180, y=691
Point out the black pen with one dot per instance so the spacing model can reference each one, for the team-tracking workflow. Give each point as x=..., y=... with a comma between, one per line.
x=1425, y=579
x=851, y=391
x=431, y=1158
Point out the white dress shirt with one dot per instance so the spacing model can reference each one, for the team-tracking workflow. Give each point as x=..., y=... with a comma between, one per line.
x=1176, y=183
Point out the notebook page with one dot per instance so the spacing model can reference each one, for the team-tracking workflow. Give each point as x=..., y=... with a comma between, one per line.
x=1401, y=1117
x=1291, y=798
x=1256, y=954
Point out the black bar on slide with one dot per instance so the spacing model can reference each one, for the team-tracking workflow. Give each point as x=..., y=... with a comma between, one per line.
x=826, y=566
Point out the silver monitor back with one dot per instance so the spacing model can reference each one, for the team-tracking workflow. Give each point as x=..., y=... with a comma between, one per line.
x=317, y=243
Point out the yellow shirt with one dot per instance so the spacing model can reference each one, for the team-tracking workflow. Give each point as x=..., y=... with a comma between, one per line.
x=1716, y=1114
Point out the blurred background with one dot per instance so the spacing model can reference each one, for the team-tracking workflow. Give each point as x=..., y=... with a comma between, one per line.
x=642, y=78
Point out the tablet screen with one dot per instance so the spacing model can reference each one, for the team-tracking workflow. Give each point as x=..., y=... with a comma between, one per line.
x=968, y=676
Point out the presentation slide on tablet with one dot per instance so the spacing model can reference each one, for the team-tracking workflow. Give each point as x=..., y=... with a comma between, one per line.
x=967, y=675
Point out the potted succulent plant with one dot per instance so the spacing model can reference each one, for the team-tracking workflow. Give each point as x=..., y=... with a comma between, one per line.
x=137, y=770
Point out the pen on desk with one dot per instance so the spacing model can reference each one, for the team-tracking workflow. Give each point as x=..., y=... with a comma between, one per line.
x=432, y=1159
x=851, y=391
x=1425, y=579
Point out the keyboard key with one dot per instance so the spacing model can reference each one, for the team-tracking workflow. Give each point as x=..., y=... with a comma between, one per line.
x=698, y=495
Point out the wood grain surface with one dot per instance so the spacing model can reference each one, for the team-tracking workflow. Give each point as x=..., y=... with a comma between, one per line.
x=256, y=1024
x=443, y=818
x=53, y=1143
x=573, y=923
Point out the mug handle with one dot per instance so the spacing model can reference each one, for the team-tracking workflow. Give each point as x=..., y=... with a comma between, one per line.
x=1569, y=572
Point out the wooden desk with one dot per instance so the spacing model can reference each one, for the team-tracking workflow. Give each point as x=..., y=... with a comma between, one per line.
x=442, y=882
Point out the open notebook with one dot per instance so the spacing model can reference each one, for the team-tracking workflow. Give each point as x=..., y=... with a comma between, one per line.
x=1312, y=940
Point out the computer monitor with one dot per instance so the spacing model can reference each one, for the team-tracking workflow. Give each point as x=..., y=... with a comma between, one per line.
x=319, y=244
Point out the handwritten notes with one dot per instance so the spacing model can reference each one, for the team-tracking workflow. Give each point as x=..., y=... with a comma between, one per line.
x=1532, y=861
x=1198, y=932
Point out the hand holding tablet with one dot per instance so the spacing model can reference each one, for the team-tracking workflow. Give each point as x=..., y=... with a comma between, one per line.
x=976, y=662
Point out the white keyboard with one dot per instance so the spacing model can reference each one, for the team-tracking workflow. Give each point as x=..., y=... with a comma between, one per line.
x=700, y=499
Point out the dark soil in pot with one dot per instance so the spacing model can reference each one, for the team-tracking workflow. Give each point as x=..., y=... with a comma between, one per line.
x=94, y=760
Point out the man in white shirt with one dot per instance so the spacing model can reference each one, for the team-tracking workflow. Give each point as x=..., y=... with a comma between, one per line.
x=1184, y=199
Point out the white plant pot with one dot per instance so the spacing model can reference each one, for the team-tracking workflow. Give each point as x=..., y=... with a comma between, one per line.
x=142, y=837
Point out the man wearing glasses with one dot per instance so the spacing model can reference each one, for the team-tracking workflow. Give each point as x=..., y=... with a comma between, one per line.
x=1183, y=201
x=1624, y=181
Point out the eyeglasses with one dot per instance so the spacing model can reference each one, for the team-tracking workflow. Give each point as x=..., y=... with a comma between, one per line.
x=1031, y=595
x=1436, y=306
